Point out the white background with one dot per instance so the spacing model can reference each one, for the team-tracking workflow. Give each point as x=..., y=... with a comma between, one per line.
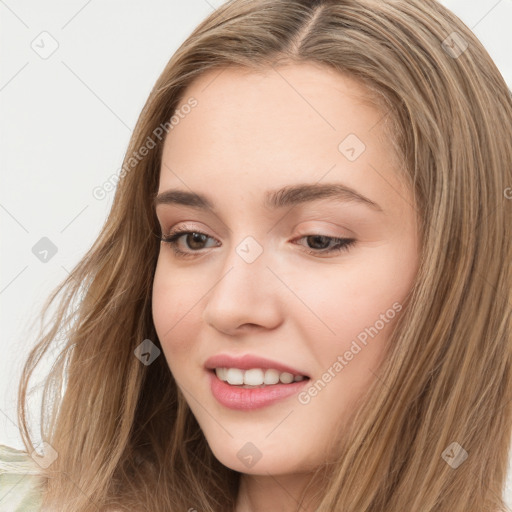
x=65, y=125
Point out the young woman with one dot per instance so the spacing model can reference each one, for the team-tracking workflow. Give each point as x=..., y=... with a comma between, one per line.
x=301, y=299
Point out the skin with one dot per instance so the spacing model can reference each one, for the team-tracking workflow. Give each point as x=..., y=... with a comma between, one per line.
x=251, y=132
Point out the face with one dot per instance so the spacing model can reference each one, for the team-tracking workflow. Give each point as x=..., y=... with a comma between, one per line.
x=308, y=282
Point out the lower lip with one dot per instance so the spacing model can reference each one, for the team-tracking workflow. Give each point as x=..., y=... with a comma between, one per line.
x=236, y=397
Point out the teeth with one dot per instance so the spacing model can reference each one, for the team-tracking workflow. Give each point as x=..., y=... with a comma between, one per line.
x=234, y=376
x=271, y=377
x=286, y=377
x=255, y=376
x=221, y=373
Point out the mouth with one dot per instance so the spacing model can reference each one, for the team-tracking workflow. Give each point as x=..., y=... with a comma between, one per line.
x=232, y=389
x=255, y=378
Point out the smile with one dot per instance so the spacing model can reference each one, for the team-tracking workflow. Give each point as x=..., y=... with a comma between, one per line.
x=245, y=396
x=255, y=377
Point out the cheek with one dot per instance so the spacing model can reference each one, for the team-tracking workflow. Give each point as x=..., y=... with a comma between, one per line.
x=358, y=306
x=174, y=314
x=359, y=310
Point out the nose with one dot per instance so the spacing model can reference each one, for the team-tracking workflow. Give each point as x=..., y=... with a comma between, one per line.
x=245, y=295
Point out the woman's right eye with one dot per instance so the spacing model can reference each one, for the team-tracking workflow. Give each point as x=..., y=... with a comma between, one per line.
x=192, y=238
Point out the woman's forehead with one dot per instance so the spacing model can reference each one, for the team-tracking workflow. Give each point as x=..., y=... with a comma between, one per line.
x=299, y=124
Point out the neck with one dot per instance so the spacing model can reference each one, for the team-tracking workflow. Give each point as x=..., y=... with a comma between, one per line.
x=261, y=493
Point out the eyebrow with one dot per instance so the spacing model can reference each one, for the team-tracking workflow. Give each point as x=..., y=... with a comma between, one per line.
x=290, y=195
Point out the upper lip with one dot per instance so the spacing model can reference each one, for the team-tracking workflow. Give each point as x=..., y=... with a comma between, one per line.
x=248, y=361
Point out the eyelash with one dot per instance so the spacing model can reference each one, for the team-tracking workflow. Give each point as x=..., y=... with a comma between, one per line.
x=344, y=244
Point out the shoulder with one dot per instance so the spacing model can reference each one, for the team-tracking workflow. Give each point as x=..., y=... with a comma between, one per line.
x=20, y=481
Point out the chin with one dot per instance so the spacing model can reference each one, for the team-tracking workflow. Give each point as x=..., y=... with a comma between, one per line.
x=260, y=456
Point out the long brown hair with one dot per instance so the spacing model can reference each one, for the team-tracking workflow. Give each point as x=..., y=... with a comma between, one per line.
x=124, y=434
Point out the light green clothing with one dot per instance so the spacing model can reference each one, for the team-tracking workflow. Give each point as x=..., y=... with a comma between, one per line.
x=20, y=489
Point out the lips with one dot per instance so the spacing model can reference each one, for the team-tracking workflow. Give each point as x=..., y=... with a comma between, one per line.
x=240, y=398
x=248, y=361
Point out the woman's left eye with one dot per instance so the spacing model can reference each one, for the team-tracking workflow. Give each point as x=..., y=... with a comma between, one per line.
x=342, y=244
x=195, y=238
